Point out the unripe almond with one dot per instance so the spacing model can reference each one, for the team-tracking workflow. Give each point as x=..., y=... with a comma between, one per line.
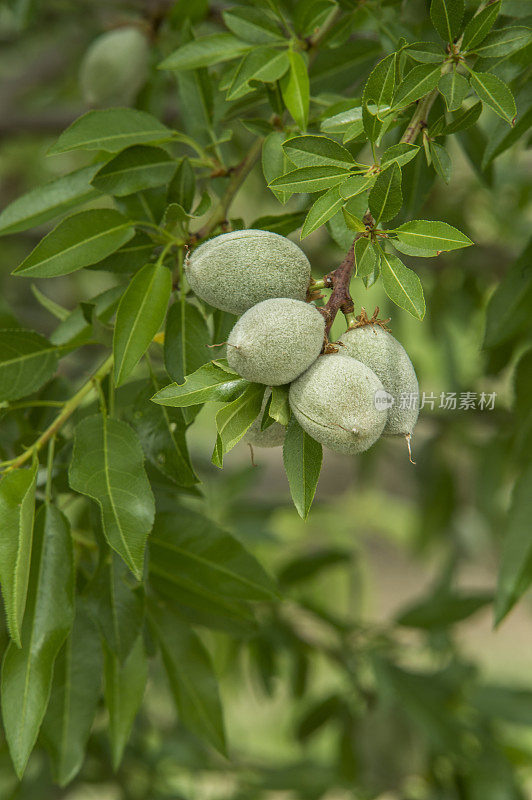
x=275, y=341
x=388, y=359
x=236, y=270
x=334, y=401
x=114, y=68
x=272, y=436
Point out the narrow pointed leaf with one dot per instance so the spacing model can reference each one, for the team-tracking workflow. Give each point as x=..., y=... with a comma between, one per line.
x=308, y=151
x=428, y=235
x=112, y=130
x=107, y=465
x=48, y=201
x=279, y=408
x=74, y=698
x=402, y=285
x=441, y=160
x=253, y=25
x=133, y=170
x=116, y=607
x=385, y=199
x=504, y=42
x=322, y=210
x=399, y=154
x=210, y=382
x=233, y=420
x=419, y=81
x=478, y=28
x=495, y=93
x=275, y=162
x=191, y=676
x=140, y=315
x=356, y=184
x=295, y=89
x=365, y=258
x=77, y=241
x=27, y=361
x=186, y=341
x=191, y=551
x=27, y=672
x=124, y=689
x=261, y=64
x=446, y=16
x=454, y=87
x=310, y=179
x=302, y=457
x=17, y=501
x=206, y=50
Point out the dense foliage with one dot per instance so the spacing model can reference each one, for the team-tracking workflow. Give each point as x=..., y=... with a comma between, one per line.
x=393, y=133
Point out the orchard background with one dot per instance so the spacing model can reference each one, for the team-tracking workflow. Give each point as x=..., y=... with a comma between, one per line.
x=232, y=649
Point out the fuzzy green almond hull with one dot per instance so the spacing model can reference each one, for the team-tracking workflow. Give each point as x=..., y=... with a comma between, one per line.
x=388, y=359
x=272, y=436
x=334, y=402
x=236, y=270
x=275, y=341
x=115, y=67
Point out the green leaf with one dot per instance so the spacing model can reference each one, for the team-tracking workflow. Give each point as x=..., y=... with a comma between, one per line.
x=295, y=88
x=124, y=689
x=182, y=188
x=310, y=179
x=446, y=16
x=112, y=130
x=76, y=242
x=399, y=154
x=441, y=161
x=233, y=420
x=464, y=120
x=279, y=409
x=27, y=362
x=353, y=222
x=210, y=382
x=402, y=285
x=116, y=607
x=380, y=86
x=253, y=25
x=309, y=565
x=192, y=552
x=504, y=42
x=264, y=64
x=134, y=169
x=500, y=138
x=107, y=465
x=76, y=330
x=495, y=93
x=308, y=151
x=338, y=123
x=508, y=311
x=322, y=210
x=454, y=88
x=162, y=434
x=426, y=52
x=275, y=163
x=427, y=235
x=356, y=184
x=74, y=698
x=279, y=223
x=419, y=81
x=191, y=676
x=442, y=610
x=27, y=672
x=48, y=201
x=302, y=457
x=479, y=26
x=56, y=310
x=515, y=574
x=17, y=501
x=385, y=199
x=140, y=315
x=365, y=257
x=186, y=341
x=207, y=50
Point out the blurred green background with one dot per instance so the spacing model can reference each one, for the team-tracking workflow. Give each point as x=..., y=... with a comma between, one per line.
x=392, y=530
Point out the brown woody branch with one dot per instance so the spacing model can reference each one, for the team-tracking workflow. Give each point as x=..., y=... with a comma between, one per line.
x=340, y=298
